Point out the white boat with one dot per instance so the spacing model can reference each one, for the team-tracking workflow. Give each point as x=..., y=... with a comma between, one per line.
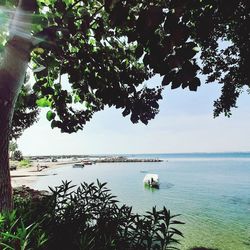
x=78, y=165
x=151, y=180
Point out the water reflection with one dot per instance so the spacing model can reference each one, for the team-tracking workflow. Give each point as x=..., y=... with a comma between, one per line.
x=152, y=189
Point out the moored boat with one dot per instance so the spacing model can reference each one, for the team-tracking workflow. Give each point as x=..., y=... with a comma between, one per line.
x=78, y=165
x=151, y=180
x=87, y=162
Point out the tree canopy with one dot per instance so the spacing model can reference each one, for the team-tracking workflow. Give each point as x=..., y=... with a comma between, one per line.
x=109, y=48
x=26, y=112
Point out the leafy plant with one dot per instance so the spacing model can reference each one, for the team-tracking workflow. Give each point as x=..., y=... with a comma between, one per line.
x=25, y=163
x=89, y=217
x=15, y=234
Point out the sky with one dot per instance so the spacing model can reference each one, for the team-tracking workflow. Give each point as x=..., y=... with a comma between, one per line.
x=184, y=124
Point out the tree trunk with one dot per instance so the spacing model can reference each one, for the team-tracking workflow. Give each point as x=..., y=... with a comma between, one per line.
x=12, y=71
x=6, y=110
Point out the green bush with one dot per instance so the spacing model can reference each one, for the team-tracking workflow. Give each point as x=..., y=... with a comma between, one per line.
x=89, y=218
x=24, y=163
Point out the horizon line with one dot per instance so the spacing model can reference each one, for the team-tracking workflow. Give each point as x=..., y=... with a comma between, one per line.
x=176, y=153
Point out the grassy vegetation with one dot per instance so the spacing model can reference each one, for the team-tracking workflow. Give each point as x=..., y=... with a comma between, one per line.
x=25, y=163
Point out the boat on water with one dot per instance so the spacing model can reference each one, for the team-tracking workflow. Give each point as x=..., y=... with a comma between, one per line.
x=87, y=162
x=151, y=180
x=78, y=165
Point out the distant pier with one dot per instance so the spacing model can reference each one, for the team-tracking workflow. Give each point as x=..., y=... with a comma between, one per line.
x=88, y=160
x=123, y=159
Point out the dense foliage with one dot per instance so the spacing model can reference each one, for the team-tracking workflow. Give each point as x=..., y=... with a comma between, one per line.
x=108, y=48
x=222, y=30
x=26, y=112
x=84, y=218
x=102, y=67
x=18, y=156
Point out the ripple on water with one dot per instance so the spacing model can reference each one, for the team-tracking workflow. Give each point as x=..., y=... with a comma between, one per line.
x=166, y=185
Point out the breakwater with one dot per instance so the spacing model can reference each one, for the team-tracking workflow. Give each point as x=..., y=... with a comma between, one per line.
x=123, y=159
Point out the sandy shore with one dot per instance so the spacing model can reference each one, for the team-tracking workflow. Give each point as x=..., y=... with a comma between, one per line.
x=27, y=176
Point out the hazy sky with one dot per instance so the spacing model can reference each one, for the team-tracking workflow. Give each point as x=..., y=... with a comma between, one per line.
x=185, y=124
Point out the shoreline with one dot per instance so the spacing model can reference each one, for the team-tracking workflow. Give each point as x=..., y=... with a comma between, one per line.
x=27, y=176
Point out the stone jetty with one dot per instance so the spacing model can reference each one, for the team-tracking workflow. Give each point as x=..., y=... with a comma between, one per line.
x=123, y=159
x=89, y=159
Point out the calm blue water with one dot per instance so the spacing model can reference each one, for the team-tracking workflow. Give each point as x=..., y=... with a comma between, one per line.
x=211, y=191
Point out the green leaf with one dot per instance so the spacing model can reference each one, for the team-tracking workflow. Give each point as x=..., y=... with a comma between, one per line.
x=50, y=115
x=43, y=102
x=76, y=98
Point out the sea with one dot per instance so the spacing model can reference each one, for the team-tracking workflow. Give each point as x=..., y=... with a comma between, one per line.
x=211, y=191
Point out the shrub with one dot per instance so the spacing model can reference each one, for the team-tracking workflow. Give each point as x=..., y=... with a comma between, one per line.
x=18, y=156
x=30, y=204
x=24, y=163
x=89, y=218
